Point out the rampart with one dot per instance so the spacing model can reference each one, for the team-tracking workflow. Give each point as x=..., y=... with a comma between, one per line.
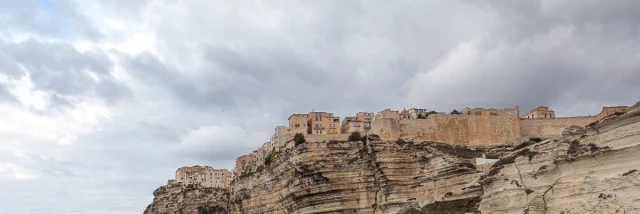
x=326, y=137
x=495, y=127
x=546, y=127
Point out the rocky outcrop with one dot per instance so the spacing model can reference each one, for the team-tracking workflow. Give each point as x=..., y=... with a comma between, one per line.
x=596, y=172
x=189, y=199
x=591, y=169
x=357, y=177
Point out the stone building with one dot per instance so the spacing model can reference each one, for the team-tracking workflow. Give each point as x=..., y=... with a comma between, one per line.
x=405, y=115
x=606, y=111
x=202, y=175
x=314, y=123
x=227, y=182
x=388, y=114
x=298, y=123
x=323, y=123
x=415, y=112
x=540, y=112
x=280, y=138
x=360, y=123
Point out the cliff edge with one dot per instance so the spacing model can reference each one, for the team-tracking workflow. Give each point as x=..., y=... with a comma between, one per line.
x=591, y=169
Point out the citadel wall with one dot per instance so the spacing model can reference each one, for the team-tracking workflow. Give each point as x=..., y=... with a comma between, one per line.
x=495, y=127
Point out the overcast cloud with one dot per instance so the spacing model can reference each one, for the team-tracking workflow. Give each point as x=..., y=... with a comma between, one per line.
x=101, y=100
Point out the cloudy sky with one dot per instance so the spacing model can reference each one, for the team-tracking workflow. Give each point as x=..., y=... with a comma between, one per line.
x=101, y=100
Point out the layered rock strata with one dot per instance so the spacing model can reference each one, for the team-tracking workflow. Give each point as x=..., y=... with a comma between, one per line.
x=588, y=170
x=189, y=199
x=357, y=177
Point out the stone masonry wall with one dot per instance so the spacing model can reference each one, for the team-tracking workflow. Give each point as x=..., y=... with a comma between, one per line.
x=551, y=127
x=453, y=128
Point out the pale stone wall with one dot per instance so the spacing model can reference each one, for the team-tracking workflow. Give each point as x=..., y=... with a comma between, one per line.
x=324, y=137
x=280, y=137
x=494, y=127
x=546, y=127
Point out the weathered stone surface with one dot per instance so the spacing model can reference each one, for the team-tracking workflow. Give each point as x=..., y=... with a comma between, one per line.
x=596, y=173
x=349, y=177
x=191, y=199
x=573, y=131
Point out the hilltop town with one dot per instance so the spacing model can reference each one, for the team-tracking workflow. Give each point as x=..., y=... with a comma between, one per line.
x=420, y=161
x=476, y=127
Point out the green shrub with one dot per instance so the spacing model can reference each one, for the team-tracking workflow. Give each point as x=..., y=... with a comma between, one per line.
x=270, y=157
x=455, y=112
x=355, y=136
x=420, y=116
x=260, y=169
x=298, y=139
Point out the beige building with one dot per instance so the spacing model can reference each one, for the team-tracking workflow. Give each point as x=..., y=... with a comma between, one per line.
x=388, y=114
x=323, y=123
x=540, y=112
x=280, y=137
x=405, y=115
x=314, y=123
x=414, y=112
x=298, y=123
x=227, y=182
x=360, y=123
x=202, y=175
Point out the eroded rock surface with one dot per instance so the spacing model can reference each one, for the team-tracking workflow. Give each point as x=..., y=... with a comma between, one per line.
x=190, y=199
x=356, y=177
x=595, y=172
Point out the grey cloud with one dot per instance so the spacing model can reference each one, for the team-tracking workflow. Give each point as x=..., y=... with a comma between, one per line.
x=60, y=68
x=261, y=62
x=540, y=55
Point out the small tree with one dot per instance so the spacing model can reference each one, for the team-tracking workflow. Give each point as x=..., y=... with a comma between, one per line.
x=269, y=158
x=420, y=116
x=455, y=112
x=298, y=139
x=355, y=136
x=429, y=113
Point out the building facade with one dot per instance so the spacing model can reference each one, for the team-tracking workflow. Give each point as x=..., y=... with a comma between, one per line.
x=314, y=123
x=202, y=175
x=540, y=112
x=416, y=112
x=280, y=138
x=388, y=114
x=298, y=123
x=323, y=123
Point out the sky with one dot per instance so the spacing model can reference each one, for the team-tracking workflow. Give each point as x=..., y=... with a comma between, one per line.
x=102, y=100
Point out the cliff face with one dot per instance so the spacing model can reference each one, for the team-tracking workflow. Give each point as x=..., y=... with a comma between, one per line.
x=188, y=200
x=356, y=177
x=589, y=170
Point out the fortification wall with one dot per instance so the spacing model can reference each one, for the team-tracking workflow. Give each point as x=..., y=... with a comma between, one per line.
x=455, y=129
x=326, y=137
x=551, y=127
